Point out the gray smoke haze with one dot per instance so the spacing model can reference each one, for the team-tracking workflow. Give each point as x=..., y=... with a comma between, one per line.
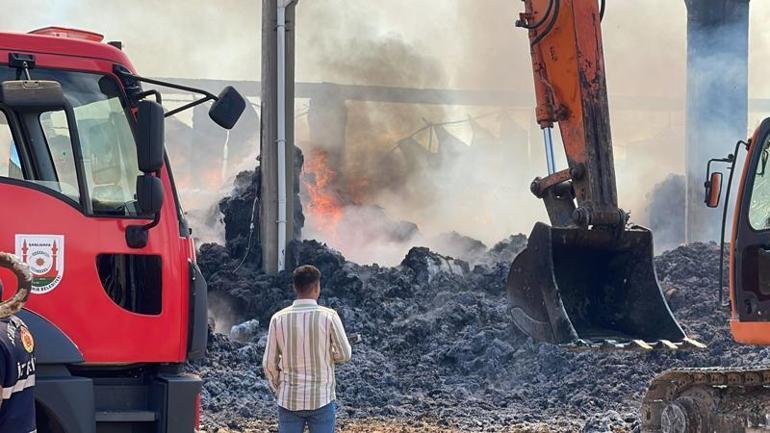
x=191, y=39
x=468, y=44
x=463, y=176
x=716, y=101
x=482, y=192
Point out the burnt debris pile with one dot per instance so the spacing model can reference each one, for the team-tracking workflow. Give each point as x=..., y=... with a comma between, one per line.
x=434, y=332
x=437, y=341
x=240, y=213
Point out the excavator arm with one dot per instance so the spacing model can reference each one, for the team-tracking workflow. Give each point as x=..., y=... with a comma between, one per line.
x=568, y=69
x=587, y=279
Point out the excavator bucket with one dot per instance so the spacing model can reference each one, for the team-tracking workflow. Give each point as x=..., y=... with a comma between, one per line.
x=592, y=289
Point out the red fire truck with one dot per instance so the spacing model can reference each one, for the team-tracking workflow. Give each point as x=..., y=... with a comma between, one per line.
x=118, y=304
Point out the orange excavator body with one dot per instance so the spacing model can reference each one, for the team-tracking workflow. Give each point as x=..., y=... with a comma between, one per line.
x=587, y=279
x=749, y=273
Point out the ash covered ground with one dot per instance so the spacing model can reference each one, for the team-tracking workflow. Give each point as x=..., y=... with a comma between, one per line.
x=438, y=344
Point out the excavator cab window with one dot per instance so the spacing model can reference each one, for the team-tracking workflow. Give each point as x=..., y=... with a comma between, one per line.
x=759, y=208
x=763, y=163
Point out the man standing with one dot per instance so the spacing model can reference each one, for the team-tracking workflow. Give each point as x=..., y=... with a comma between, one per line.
x=17, y=359
x=304, y=342
x=17, y=377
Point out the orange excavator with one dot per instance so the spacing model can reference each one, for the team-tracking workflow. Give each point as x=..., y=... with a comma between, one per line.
x=587, y=280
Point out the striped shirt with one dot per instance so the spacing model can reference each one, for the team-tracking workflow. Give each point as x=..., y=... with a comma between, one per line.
x=304, y=342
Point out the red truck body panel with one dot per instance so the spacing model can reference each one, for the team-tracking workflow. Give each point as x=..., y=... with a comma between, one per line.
x=104, y=332
x=67, y=53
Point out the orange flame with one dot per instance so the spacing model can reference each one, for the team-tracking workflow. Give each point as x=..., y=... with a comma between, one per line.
x=324, y=209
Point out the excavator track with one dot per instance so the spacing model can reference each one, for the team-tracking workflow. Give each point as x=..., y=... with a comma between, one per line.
x=707, y=400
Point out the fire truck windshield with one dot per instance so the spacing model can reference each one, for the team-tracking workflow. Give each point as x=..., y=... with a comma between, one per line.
x=106, y=140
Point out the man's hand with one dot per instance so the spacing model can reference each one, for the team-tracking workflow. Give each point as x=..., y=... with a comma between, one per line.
x=341, y=350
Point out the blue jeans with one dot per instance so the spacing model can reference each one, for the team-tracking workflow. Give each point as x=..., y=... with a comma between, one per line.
x=320, y=420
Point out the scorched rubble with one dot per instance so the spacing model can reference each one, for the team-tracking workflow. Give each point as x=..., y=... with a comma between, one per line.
x=438, y=343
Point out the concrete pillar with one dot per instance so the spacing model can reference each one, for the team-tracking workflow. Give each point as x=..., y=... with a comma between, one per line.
x=717, y=98
x=268, y=205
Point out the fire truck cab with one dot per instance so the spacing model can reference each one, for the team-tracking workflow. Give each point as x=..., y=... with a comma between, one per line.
x=118, y=304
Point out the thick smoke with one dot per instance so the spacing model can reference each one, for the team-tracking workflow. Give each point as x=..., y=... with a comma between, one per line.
x=205, y=159
x=471, y=176
x=403, y=159
x=455, y=44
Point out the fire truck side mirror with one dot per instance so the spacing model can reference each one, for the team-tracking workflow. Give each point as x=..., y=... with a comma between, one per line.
x=713, y=189
x=149, y=194
x=149, y=197
x=149, y=136
x=228, y=107
x=149, y=151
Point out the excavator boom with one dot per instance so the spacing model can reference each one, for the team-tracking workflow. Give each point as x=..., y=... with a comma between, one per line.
x=568, y=68
x=586, y=279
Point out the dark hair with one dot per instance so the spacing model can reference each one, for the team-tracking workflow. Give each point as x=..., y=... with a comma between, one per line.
x=305, y=277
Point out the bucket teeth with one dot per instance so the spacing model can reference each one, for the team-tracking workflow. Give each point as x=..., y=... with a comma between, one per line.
x=642, y=345
x=694, y=344
x=636, y=344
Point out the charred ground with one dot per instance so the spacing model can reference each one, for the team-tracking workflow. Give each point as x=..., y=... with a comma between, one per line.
x=438, y=344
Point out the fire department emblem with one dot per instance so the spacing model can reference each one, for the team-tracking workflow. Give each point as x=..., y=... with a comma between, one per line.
x=26, y=339
x=45, y=256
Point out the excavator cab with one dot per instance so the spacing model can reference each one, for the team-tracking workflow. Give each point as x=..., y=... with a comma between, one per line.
x=587, y=279
x=750, y=246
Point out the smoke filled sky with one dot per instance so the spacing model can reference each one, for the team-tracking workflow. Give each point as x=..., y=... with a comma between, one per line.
x=220, y=39
x=468, y=44
x=473, y=41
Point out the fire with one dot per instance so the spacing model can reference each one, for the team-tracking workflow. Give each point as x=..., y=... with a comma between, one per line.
x=323, y=207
